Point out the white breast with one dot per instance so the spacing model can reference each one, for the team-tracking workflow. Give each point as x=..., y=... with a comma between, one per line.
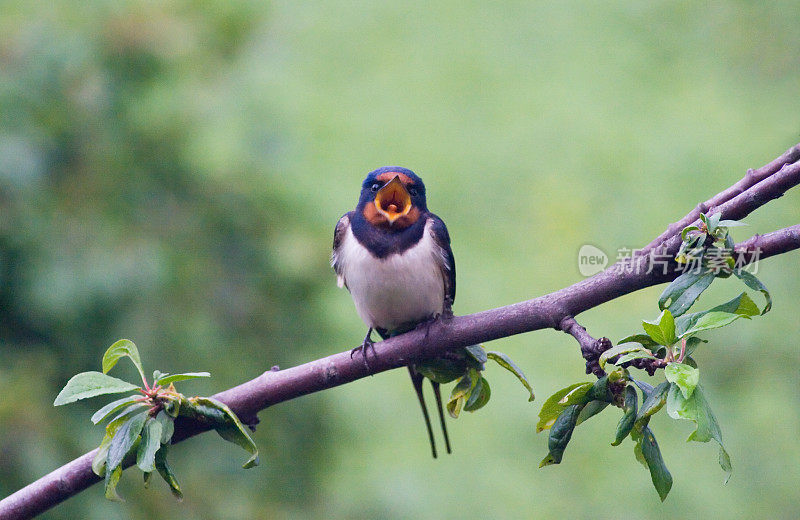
x=398, y=289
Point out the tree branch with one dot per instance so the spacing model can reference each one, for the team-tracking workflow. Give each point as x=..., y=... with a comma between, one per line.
x=555, y=310
x=752, y=177
x=591, y=348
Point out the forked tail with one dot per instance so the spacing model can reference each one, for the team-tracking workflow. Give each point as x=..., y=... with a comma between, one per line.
x=416, y=380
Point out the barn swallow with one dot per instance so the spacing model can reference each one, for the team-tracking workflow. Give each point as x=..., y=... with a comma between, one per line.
x=394, y=257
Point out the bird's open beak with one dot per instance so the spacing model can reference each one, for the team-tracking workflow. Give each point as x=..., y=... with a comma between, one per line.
x=393, y=200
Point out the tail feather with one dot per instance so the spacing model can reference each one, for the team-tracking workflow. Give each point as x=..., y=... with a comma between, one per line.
x=438, y=395
x=416, y=379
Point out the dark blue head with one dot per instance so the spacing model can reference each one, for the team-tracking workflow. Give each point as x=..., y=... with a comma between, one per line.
x=392, y=197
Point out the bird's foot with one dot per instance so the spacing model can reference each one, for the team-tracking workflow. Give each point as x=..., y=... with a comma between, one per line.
x=426, y=323
x=368, y=344
x=363, y=348
x=447, y=312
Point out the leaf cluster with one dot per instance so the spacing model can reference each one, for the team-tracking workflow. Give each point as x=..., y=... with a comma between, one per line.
x=706, y=238
x=140, y=426
x=571, y=406
x=667, y=342
x=471, y=391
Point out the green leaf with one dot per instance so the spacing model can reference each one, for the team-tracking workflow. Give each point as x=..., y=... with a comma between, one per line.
x=99, y=461
x=91, y=384
x=652, y=403
x=599, y=391
x=591, y=409
x=692, y=249
x=120, y=349
x=479, y=397
x=474, y=393
x=629, y=409
x=747, y=307
x=646, y=388
x=662, y=480
x=623, y=348
x=685, y=232
x=636, y=436
x=634, y=355
x=684, y=291
x=151, y=442
x=556, y=403
x=460, y=393
x=167, y=426
x=682, y=376
x=114, y=406
x=711, y=320
x=725, y=463
x=713, y=221
x=163, y=468
x=696, y=408
x=730, y=245
x=123, y=440
x=167, y=379
x=172, y=407
x=662, y=330
x=440, y=370
x=114, y=424
x=693, y=243
x=731, y=223
x=643, y=339
x=477, y=353
x=742, y=305
x=560, y=434
x=125, y=414
x=111, y=481
x=227, y=425
x=754, y=283
x=505, y=362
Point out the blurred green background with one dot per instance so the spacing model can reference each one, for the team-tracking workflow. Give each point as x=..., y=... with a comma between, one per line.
x=172, y=172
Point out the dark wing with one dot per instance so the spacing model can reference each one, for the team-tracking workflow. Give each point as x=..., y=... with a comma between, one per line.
x=442, y=239
x=338, y=237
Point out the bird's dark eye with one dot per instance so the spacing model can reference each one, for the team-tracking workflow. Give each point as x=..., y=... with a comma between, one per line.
x=375, y=186
x=413, y=191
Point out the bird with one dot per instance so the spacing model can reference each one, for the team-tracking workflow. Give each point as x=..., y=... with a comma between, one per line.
x=394, y=257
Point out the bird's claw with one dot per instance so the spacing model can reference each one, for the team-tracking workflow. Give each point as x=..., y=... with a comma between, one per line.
x=368, y=343
x=447, y=311
x=427, y=323
x=446, y=314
